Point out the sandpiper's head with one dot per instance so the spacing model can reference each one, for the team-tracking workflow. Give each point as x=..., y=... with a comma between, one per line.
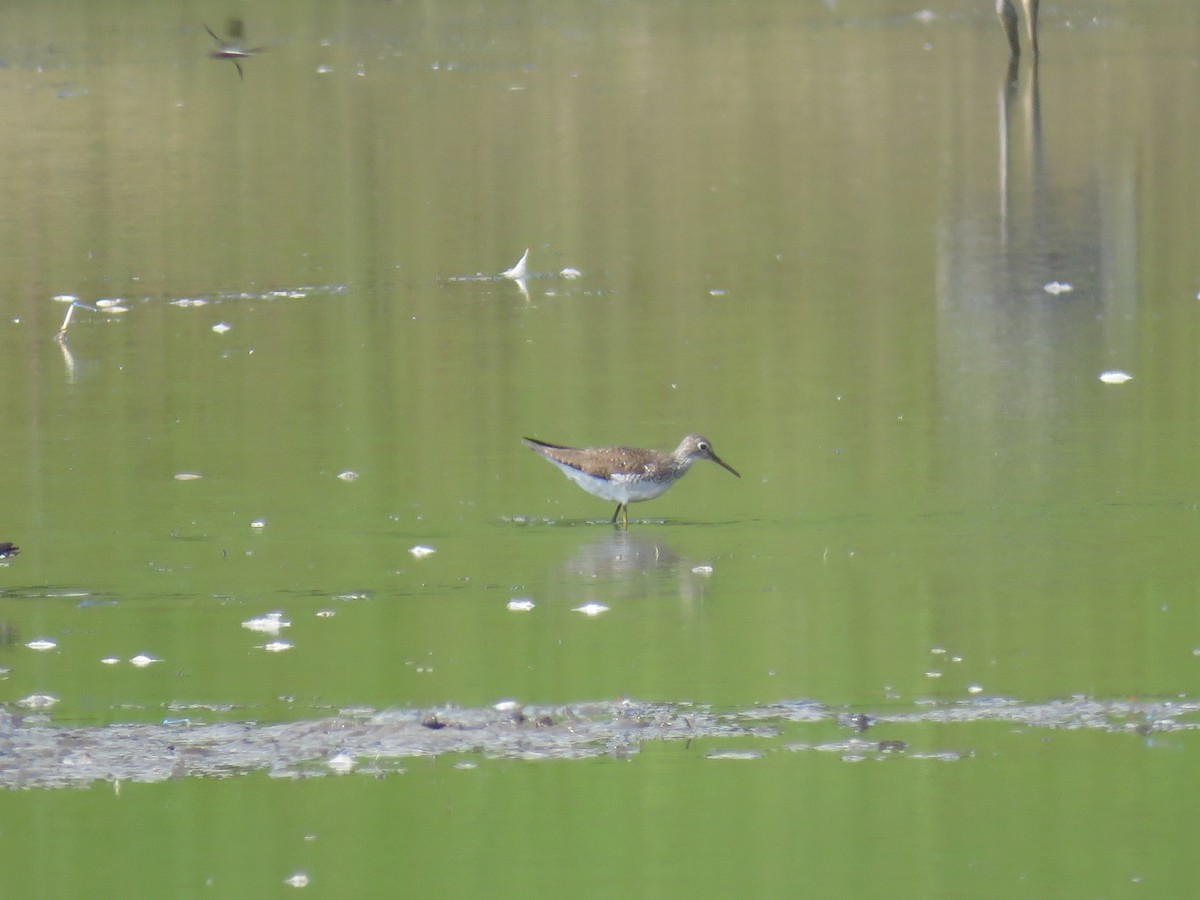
x=697, y=446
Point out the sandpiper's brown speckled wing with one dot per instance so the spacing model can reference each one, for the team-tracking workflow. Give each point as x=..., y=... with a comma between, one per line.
x=599, y=462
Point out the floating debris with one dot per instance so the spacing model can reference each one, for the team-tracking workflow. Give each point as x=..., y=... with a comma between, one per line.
x=64, y=298
x=1058, y=287
x=188, y=476
x=506, y=706
x=42, y=644
x=61, y=336
x=259, y=523
x=271, y=623
x=591, y=609
x=379, y=741
x=703, y=569
x=111, y=660
x=37, y=701
x=325, y=613
x=143, y=659
x=420, y=552
x=300, y=879
x=277, y=646
x=570, y=273
x=520, y=269
x=222, y=327
x=348, y=475
x=342, y=763
x=1116, y=376
x=107, y=304
x=520, y=604
x=734, y=754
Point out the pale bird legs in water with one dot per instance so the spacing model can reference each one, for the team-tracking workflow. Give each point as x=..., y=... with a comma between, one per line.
x=627, y=474
x=1008, y=18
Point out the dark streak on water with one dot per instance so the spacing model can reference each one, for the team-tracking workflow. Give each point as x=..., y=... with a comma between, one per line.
x=43, y=756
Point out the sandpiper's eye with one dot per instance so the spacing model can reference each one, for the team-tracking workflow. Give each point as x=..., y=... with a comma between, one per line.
x=703, y=445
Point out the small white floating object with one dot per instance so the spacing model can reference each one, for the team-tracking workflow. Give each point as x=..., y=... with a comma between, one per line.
x=299, y=880
x=718, y=292
x=342, y=763
x=325, y=613
x=188, y=476
x=277, y=646
x=1116, y=376
x=42, y=644
x=421, y=552
x=37, y=701
x=520, y=269
x=734, y=754
x=704, y=569
x=271, y=623
x=107, y=304
x=64, y=298
x=117, y=309
x=520, y=604
x=110, y=661
x=975, y=689
x=591, y=609
x=570, y=273
x=506, y=705
x=1058, y=287
x=142, y=660
x=348, y=475
x=259, y=523
x=222, y=327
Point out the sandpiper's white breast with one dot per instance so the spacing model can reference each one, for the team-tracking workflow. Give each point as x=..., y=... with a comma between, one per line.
x=617, y=488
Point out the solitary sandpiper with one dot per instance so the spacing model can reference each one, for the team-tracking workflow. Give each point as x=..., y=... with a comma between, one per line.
x=627, y=474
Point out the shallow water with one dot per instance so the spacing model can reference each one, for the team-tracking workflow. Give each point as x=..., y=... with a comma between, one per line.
x=880, y=270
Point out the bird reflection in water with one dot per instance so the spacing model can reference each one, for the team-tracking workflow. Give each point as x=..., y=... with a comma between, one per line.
x=233, y=47
x=1037, y=264
x=623, y=567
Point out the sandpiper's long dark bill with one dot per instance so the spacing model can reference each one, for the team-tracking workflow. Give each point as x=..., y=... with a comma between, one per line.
x=627, y=474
